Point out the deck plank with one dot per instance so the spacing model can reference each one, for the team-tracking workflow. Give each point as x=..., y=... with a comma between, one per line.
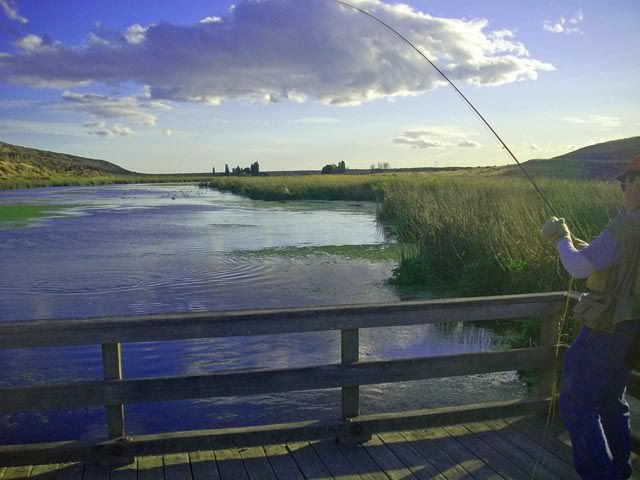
x=177, y=467
x=308, y=461
x=531, y=465
x=416, y=463
x=386, y=459
x=150, y=468
x=282, y=462
x=230, y=464
x=360, y=459
x=437, y=457
x=125, y=472
x=256, y=464
x=500, y=463
x=18, y=473
x=44, y=472
x=334, y=460
x=70, y=471
x=462, y=455
x=203, y=465
x=534, y=428
x=554, y=463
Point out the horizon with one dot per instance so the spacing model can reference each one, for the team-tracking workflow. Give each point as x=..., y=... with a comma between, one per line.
x=161, y=88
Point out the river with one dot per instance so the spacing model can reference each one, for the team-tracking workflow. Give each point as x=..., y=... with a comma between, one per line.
x=133, y=249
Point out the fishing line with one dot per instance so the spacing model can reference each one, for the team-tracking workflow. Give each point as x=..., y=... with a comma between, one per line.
x=475, y=110
x=561, y=322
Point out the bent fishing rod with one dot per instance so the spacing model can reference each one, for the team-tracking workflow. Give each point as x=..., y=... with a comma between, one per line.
x=459, y=92
x=539, y=460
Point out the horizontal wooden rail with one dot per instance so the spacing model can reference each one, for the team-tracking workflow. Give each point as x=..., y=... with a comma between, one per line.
x=157, y=444
x=146, y=328
x=94, y=393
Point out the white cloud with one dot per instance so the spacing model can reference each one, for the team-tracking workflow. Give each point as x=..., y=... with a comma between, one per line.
x=603, y=121
x=562, y=25
x=11, y=11
x=285, y=50
x=436, y=137
x=212, y=19
x=135, y=34
x=29, y=43
x=168, y=132
x=114, y=130
x=137, y=109
x=317, y=120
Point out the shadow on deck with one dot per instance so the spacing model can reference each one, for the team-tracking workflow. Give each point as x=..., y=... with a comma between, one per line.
x=513, y=448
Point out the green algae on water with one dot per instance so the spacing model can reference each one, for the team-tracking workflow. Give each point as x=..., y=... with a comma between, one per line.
x=21, y=215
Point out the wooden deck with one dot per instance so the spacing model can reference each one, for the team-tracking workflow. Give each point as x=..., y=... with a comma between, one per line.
x=499, y=449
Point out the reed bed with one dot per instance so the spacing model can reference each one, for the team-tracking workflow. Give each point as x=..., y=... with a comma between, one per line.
x=475, y=235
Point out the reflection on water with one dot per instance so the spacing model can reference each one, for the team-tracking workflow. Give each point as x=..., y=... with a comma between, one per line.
x=167, y=248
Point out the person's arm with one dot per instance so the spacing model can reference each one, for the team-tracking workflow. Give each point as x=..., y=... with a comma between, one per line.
x=599, y=255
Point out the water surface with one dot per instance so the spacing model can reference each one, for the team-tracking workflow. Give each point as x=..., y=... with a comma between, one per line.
x=177, y=248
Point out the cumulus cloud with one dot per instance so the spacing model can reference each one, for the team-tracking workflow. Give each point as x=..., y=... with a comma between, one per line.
x=562, y=25
x=285, y=50
x=435, y=137
x=212, y=19
x=137, y=109
x=114, y=130
x=10, y=10
x=603, y=121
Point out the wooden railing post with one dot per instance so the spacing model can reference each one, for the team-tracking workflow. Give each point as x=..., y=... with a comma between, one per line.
x=350, y=353
x=549, y=332
x=112, y=368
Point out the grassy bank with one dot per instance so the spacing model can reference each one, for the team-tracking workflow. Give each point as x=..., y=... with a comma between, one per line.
x=55, y=181
x=476, y=235
x=307, y=187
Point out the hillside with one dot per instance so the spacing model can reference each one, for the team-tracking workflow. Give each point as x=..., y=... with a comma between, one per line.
x=602, y=160
x=31, y=163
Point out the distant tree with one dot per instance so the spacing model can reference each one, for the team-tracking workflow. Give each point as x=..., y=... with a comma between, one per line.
x=236, y=170
x=341, y=167
x=255, y=169
x=330, y=168
x=386, y=165
x=226, y=170
x=373, y=166
x=246, y=171
x=213, y=170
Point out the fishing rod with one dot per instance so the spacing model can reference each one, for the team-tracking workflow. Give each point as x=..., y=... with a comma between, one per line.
x=468, y=102
x=540, y=460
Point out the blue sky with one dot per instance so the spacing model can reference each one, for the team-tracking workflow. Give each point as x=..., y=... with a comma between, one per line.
x=171, y=86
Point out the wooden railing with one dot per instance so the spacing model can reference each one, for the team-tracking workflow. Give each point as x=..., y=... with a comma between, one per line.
x=349, y=374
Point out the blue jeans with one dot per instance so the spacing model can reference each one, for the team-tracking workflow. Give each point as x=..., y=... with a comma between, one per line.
x=592, y=404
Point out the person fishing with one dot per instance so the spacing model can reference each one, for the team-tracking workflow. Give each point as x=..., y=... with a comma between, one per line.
x=597, y=365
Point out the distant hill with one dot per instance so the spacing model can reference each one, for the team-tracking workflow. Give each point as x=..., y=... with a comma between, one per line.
x=31, y=163
x=602, y=160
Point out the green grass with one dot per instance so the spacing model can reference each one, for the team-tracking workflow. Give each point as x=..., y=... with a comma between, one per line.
x=20, y=215
x=305, y=187
x=59, y=181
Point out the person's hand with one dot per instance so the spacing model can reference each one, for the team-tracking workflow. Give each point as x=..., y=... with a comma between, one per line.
x=579, y=244
x=555, y=229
